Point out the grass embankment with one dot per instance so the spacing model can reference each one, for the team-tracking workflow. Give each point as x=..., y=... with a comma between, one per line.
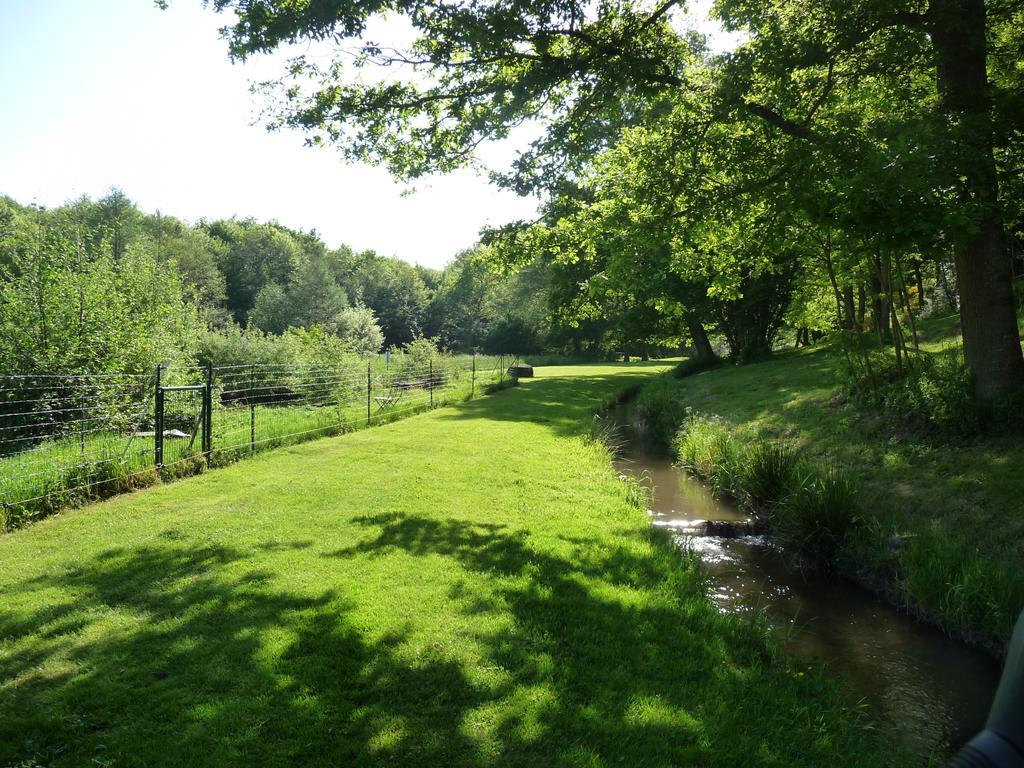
x=942, y=528
x=468, y=587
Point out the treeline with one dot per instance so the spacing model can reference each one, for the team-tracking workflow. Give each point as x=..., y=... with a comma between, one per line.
x=99, y=286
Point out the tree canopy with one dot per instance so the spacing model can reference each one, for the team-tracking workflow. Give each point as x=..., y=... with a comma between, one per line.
x=882, y=129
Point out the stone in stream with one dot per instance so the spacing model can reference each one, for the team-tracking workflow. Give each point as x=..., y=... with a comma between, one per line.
x=722, y=529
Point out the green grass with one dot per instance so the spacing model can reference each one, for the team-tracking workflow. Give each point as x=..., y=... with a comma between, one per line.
x=956, y=501
x=469, y=587
x=62, y=473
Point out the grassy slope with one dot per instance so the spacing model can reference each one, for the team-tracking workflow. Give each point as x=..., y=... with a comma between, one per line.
x=466, y=587
x=960, y=500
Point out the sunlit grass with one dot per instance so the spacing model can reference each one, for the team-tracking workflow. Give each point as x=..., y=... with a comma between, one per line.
x=73, y=470
x=473, y=586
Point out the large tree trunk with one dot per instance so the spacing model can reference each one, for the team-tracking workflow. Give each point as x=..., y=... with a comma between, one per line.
x=987, y=314
x=701, y=344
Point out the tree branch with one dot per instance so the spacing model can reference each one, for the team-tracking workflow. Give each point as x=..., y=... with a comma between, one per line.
x=784, y=124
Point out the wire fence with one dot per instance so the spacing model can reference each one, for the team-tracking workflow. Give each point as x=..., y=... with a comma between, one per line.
x=68, y=439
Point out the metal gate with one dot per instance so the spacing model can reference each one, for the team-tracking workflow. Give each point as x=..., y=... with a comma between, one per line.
x=182, y=420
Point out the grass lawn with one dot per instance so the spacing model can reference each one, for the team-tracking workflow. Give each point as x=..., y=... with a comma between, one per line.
x=957, y=500
x=467, y=587
x=73, y=469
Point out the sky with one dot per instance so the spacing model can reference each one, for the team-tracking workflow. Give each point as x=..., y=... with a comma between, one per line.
x=102, y=93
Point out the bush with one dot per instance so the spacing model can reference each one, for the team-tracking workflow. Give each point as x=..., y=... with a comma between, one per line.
x=235, y=346
x=359, y=328
x=936, y=391
x=932, y=390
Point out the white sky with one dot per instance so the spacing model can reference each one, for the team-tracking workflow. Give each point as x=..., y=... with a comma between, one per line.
x=102, y=93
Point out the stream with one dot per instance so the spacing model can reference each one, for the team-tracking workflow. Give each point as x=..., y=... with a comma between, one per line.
x=933, y=691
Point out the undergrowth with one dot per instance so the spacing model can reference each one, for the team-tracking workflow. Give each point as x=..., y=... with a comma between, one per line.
x=930, y=390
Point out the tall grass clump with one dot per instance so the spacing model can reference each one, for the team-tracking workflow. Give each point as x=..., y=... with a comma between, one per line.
x=960, y=588
x=817, y=514
x=604, y=431
x=661, y=404
x=809, y=508
x=770, y=473
x=705, y=448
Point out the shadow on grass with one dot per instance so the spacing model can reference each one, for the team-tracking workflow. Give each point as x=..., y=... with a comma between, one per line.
x=170, y=655
x=572, y=651
x=565, y=404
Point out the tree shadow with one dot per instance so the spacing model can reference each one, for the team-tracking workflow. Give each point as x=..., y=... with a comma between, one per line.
x=658, y=678
x=171, y=654
x=564, y=404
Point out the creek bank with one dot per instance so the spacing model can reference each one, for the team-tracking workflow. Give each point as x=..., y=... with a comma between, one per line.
x=932, y=691
x=926, y=572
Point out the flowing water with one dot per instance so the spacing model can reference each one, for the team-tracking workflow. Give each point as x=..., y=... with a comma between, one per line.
x=934, y=691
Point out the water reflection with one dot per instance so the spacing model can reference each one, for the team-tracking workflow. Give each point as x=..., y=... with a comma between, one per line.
x=933, y=690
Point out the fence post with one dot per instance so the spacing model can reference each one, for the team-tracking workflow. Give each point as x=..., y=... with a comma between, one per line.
x=252, y=408
x=158, y=419
x=367, y=392
x=81, y=426
x=431, y=383
x=472, y=386
x=501, y=370
x=208, y=414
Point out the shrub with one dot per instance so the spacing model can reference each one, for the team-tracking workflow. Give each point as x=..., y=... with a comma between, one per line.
x=937, y=391
x=933, y=390
x=235, y=346
x=359, y=328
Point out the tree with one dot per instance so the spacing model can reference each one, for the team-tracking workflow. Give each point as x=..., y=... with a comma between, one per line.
x=272, y=310
x=315, y=298
x=255, y=255
x=195, y=255
x=395, y=292
x=475, y=73
x=360, y=330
